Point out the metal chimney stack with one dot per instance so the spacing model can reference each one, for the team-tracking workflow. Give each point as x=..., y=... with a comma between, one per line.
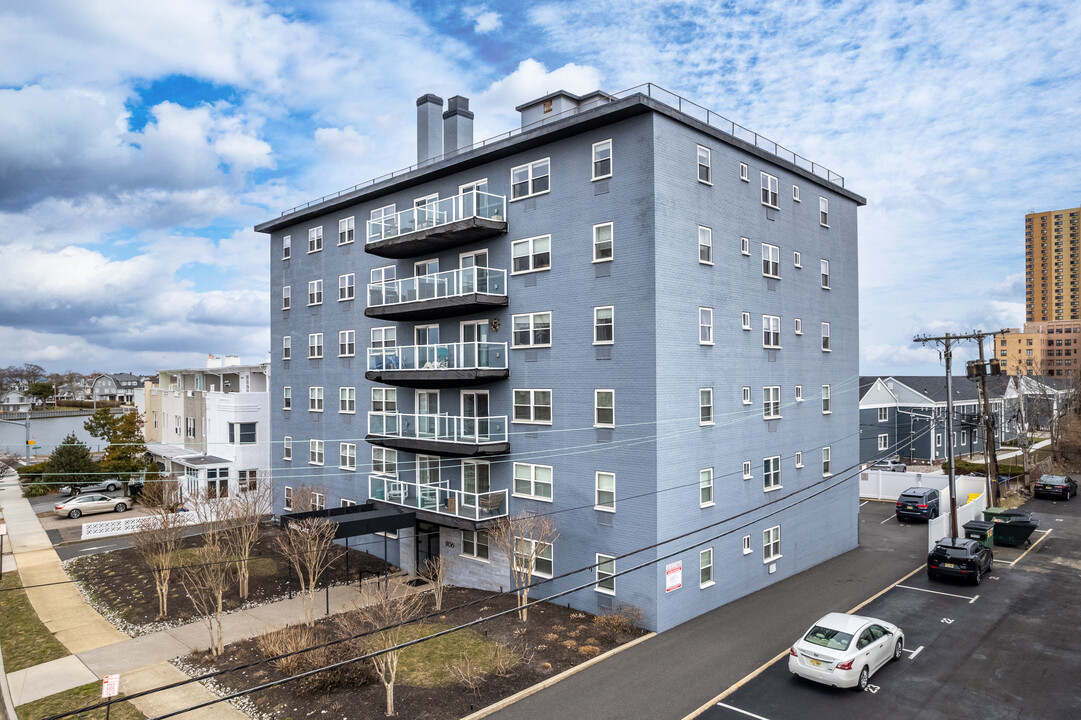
x=429, y=129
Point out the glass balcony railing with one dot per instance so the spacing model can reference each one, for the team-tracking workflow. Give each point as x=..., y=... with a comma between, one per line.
x=449, y=283
x=450, y=356
x=439, y=428
x=438, y=498
x=441, y=212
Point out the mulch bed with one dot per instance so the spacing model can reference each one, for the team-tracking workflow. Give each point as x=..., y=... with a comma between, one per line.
x=549, y=643
x=121, y=581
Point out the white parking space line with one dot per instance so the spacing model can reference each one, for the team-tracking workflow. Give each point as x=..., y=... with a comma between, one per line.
x=1030, y=548
x=864, y=503
x=939, y=592
x=891, y=517
x=742, y=712
x=914, y=653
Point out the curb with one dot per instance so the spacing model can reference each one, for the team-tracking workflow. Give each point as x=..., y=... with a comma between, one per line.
x=533, y=689
x=7, y=710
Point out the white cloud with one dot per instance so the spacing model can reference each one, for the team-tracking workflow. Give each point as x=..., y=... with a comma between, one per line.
x=485, y=20
x=531, y=79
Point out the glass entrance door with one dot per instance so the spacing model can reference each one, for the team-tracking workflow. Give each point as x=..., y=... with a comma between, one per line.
x=474, y=271
x=475, y=344
x=427, y=413
x=475, y=480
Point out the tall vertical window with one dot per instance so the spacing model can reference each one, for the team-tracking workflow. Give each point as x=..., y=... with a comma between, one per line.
x=825, y=264
x=705, y=406
x=884, y=442
x=705, y=568
x=883, y=414
x=823, y=212
x=347, y=456
x=345, y=231
x=287, y=247
x=347, y=343
x=826, y=337
x=705, y=172
x=745, y=320
x=604, y=407
x=287, y=398
x=287, y=448
x=795, y=193
x=771, y=473
x=530, y=179
x=315, y=452
x=606, y=574
x=799, y=393
x=315, y=239
x=744, y=172
x=771, y=331
x=287, y=502
x=347, y=400
x=602, y=159
x=287, y=347
x=746, y=395
x=287, y=296
x=771, y=261
x=797, y=259
x=826, y=400
x=826, y=462
x=771, y=544
x=799, y=326
x=604, y=325
x=705, y=245
x=705, y=487
x=705, y=326
x=606, y=491
x=315, y=399
x=747, y=470
x=769, y=190
x=602, y=242
x=745, y=246
x=315, y=292
x=799, y=458
x=771, y=402
x=347, y=287
x=315, y=345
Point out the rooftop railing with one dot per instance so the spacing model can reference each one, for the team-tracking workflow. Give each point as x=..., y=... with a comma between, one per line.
x=435, y=214
x=438, y=498
x=439, y=428
x=449, y=283
x=449, y=356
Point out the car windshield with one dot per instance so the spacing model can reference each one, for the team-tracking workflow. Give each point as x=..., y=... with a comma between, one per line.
x=832, y=639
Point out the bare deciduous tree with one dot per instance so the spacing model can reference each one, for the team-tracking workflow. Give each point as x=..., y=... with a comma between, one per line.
x=524, y=539
x=308, y=544
x=435, y=572
x=387, y=606
x=244, y=511
x=205, y=581
x=156, y=544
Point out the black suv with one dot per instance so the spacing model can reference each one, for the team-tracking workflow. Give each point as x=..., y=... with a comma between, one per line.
x=1059, y=486
x=918, y=502
x=959, y=557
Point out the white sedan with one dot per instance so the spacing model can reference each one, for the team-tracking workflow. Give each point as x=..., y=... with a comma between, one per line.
x=845, y=650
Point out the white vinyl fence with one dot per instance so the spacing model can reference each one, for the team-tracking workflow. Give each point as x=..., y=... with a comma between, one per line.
x=966, y=486
x=886, y=485
x=128, y=525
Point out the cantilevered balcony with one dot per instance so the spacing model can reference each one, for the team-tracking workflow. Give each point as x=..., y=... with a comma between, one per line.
x=438, y=366
x=439, y=295
x=439, y=498
x=438, y=225
x=439, y=434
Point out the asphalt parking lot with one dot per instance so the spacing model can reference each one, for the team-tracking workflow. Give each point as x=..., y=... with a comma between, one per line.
x=1005, y=649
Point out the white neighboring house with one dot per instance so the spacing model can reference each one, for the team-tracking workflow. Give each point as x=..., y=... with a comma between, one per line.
x=118, y=386
x=209, y=428
x=15, y=401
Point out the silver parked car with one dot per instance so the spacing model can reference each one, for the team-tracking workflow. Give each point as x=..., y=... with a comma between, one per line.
x=890, y=465
x=88, y=504
x=110, y=485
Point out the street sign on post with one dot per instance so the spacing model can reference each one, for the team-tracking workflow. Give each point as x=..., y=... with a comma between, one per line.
x=3, y=528
x=110, y=686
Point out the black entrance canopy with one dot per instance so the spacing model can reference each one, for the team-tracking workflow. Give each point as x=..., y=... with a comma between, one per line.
x=358, y=519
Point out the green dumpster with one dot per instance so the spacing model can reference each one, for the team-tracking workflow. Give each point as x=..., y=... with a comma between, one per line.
x=980, y=530
x=992, y=514
x=1013, y=527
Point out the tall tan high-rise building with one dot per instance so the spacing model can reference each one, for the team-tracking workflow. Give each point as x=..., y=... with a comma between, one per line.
x=1053, y=265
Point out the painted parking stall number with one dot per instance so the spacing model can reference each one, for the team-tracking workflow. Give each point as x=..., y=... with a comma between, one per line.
x=873, y=688
x=948, y=621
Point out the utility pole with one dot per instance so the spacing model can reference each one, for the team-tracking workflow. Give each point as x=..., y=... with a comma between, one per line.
x=989, y=431
x=25, y=424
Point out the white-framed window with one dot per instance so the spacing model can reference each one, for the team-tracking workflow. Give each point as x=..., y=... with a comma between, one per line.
x=883, y=442
x=533, y=406
x=797, y=259
x=475, y=544
x=771, y=402
x=606, y=491
x=938, y=439
x=826, y=407
x=771, y=331
x=247, y=480
x=798, y=326
x=347, y=400
x=530, y=179
x=826, y=462
x=604, y=408
x=384, y=461
x=771, y=473
x=315, y=239
x=315, y=292
x=705, y=171
x=964, y=437
x=826, y=337
x=825, y=268
x=771, y=544
x=287, y=398
x=602, y=159
x=795, y=193
x=531, y=330
x=824, y=212
x=347, y=287
x=604, y=320
x=347, y=343
x=799, y=458
x=287, y=297
x=542, y=554
x=747, y=545
x=744, y=172
x=384, y=337
x=745, y=320
x=315, y=399
x=383, y=274
x=347, y=503
x=345, y=231
x=746, y=394
x=745, y=246
x=315, y=452
x=319, y=501
x=287, y=503
x=190, y=427
x=287, y=448
x=533, y=481
x=347, y=456
x=315, y=345
x=531, y=254
x=384, y=400
x=883, y=414
x=705, y=568
x=747, y=470
x=705, y=326
x=606, y=574
x=427, y=470
x=705, y=487
x=799, y=393
x=287, y=247
x=602, y=242
x=771, y=261
x=705, y=245
x=769, y=190
x=705, y=406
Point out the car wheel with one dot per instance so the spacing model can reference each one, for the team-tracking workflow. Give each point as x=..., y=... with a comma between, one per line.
x=978, y=577
x=864, y=678
x=120, y=507
x=112, y=487
x=931, y=574
x=898, y=648
x=934, y=514
x=75, y=514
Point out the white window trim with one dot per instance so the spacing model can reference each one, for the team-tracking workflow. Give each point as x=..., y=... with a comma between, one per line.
x=341, y=449
x=287, y=498
x=712, y=488
x=747, y=475
x=534, y=554
x=287, y=397
x=798, y=326
x=799, y=458
x=343, y=392
x=747, y=395
x=824, y=202
x=316, y=447
x=880, y=414
x=827, y=400
x=825, y=279
x=795, y=193
x=532, y=329
x=712, y=570
x=771, y=250
x=827, y=456
x=316, y=397
x=778, y=416
x=766, y=559
x=531, y=254
x=287, y=247
x=797, y=259
x=315, y=233
x=746, y=320
x=597, y=491
x=883, y=442
x=350, y=223
x=532, y=482
x=287, y=296
x=350, y=287
x=315, y=351
x=529, y=165
x=777, y=474
x=708, y=243
x=476, y=544
x=593, y=160
x=744, y=172
x=698, y=164
x=712, y=416
x=767, y=186
x=287, y=448
x=315, y=288
x=596, y=407
x=827, y=340
x=705, y=325
x=747, y=550
x=770, y=320
x=532, y=406
x=613, y=325
x=597, y=587
x=745, y=246
x=347, y=342
x=610, y=258
x=799, y=393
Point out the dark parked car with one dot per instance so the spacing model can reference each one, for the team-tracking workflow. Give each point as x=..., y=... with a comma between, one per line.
x=918, y=503
x=1056, y=486
x=959, y=557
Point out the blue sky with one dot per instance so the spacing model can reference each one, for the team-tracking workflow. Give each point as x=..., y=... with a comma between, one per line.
x=140, y=142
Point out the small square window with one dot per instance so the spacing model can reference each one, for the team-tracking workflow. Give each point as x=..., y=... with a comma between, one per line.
x=744, y=172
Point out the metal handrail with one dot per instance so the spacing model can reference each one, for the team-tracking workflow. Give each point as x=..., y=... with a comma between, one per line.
x=437, y=213
x=438, y=498
x=448, y=283
x=448, y=356
x=439, y=428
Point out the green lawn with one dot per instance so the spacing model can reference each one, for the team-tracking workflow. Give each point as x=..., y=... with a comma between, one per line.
x=75, y=699
x=25, y=640
x=425, y=665
x=257, y=566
